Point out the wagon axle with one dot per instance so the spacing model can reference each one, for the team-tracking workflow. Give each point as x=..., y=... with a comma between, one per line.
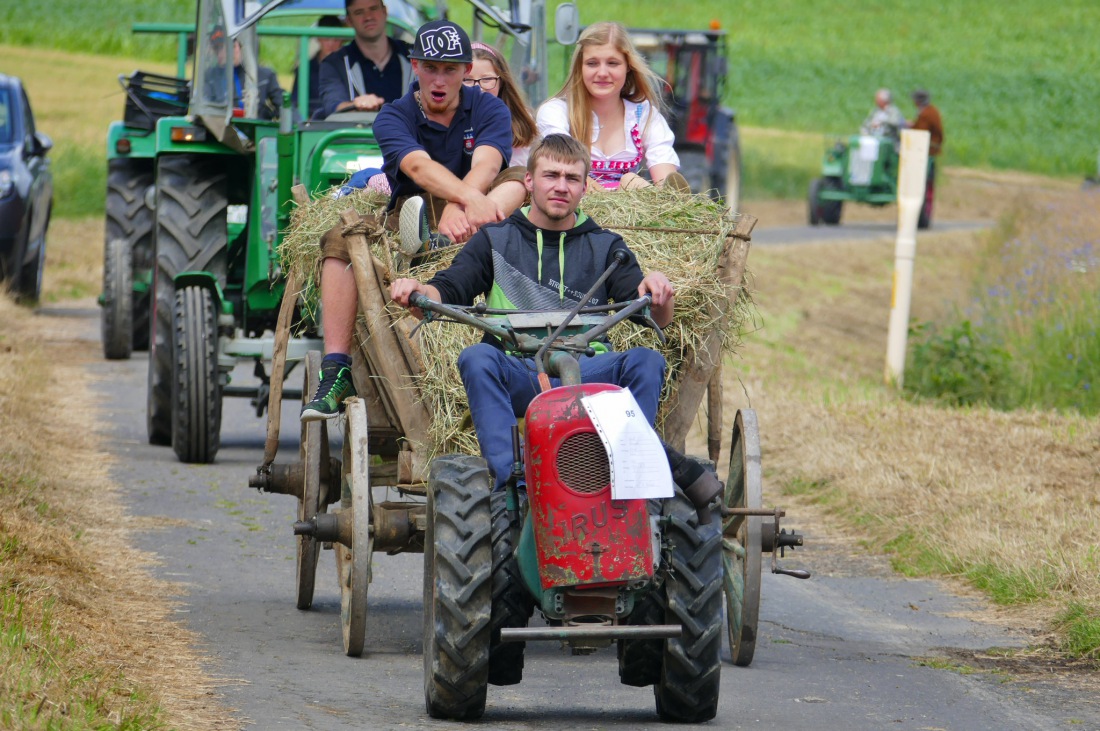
x=288, y=479
x=773, y=539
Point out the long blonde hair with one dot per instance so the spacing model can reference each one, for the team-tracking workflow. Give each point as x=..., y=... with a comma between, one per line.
x=524, y=130
x=641, y=83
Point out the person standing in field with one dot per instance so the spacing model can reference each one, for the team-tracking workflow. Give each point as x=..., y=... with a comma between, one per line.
x=928, y=118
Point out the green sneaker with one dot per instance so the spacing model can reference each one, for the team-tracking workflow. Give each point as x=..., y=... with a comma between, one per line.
x=335, y=386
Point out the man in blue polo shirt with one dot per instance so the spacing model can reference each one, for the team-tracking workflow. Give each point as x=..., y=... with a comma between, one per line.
x=370, y=70
x=444, y=149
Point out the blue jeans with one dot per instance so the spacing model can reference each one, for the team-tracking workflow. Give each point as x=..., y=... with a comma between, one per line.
x=499, y=388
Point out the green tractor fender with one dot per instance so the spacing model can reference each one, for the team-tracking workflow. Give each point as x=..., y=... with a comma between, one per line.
x=209, y=281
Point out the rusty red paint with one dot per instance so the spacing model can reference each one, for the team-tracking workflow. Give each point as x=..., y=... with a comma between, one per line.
x=581, y=539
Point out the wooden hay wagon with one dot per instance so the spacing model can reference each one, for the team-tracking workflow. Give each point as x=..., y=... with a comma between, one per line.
x=372, y=498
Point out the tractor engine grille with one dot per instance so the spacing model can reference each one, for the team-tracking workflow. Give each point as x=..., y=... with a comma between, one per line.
x=582, y=463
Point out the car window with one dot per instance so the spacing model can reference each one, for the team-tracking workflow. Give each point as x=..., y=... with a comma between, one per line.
x=5, y=118
x=28, y=120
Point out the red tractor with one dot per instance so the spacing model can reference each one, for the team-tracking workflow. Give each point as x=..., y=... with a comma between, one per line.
x=647, y=574
x=694, y=65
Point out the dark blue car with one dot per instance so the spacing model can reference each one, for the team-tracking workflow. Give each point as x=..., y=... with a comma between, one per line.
x=26, y=192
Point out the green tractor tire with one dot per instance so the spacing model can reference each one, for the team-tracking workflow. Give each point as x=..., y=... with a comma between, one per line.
x=831, y=210
x=129, y=219
x=814, y=202
x=196, y=392
x=192, y=199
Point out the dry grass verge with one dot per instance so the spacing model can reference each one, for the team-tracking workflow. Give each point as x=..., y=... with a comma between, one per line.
x=87, y=636
x=1004, y=502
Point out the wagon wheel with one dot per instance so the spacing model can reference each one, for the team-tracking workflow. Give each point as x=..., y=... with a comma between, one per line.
x=314, y=455
x=353, y=562
x=741, y=545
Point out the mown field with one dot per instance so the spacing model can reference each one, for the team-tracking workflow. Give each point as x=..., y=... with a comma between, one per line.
x=1015, y=81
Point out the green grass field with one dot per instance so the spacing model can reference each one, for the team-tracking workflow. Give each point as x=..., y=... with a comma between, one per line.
x=1016, y=81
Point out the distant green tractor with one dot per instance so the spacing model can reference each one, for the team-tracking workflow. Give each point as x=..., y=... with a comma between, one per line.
x=861, y=169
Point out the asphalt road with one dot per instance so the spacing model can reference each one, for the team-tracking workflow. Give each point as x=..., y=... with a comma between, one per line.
x=835, y=652
x=851, y=231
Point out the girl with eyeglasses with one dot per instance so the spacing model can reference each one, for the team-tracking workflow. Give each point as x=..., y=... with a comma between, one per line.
x=491, y=74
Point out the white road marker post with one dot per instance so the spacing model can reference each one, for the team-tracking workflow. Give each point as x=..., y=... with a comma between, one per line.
x=911, y=181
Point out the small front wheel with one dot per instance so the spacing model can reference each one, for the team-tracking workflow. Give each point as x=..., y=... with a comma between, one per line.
x=196, y=391
x=117, y=330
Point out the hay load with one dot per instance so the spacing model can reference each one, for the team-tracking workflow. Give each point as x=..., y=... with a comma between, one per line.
x=689, y=238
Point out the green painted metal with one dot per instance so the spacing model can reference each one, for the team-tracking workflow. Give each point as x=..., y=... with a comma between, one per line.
x=527, y=558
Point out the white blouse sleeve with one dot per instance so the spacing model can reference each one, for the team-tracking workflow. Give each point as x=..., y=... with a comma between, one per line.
x=552, y=117
x=658, y=139
x=519, y=157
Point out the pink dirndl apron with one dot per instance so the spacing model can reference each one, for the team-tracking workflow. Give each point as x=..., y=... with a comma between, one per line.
x=608, y=173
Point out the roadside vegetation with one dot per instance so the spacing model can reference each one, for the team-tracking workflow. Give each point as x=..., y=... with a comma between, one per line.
x=997, y=494
x=1029, y=337
x=87, y=636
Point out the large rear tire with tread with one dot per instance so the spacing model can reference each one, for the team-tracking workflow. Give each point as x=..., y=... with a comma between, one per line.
x=690, y=673
x=512, y=604
x=196, y=392
x=130, y=218
x=724, y=169
x=457, y=588
x=192, y=199
x=118, y=311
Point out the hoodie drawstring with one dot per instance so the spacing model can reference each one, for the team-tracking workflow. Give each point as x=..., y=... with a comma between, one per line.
x=561, y=262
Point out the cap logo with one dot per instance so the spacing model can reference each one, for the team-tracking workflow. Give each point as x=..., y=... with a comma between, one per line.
x=441, y=43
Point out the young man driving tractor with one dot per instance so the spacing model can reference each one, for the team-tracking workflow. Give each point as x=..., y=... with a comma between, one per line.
x=546, y=256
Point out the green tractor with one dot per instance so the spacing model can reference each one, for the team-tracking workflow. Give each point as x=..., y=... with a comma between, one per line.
x=198, y=198
x=861, y=169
